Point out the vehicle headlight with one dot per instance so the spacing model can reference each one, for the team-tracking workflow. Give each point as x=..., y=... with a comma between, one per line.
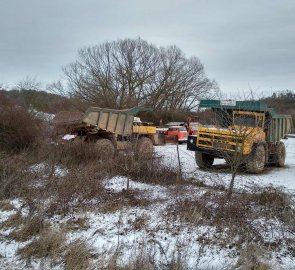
x=191, y=141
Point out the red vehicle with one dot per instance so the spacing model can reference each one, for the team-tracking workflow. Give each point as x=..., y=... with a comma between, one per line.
x=177, y=131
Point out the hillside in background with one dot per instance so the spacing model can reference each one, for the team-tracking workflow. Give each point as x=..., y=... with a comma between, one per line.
x=43, y=101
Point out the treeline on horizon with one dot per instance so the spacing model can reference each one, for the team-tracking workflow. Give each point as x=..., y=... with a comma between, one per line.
x=283, y=102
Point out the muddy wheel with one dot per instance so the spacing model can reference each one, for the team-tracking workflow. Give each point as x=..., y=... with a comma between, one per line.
x=204, y=161
x=280, y=155
x=144, y=147
x=256, y=160
x=105, y=148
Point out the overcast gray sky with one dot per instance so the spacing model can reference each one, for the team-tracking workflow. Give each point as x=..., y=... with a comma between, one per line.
x=243, y=44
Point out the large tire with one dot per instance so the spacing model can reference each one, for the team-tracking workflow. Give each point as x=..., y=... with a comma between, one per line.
x=256, y=161
x=204, y=161
x=105, y=148
x=144, y=147
x=280, y=155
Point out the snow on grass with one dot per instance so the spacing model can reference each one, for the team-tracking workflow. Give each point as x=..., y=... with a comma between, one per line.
x=132, y=230
x=45, y=169
x=119, y=183
x=117, y=232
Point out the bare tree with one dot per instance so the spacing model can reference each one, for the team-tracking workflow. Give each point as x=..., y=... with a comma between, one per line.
x=128, y=73
x=29, y=83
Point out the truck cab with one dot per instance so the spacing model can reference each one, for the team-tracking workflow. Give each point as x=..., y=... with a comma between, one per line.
x=178, y=131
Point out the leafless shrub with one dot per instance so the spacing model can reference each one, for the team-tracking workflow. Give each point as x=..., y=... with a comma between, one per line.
x=78, y=256
x=18, y=128
x=83, y=188
x=77, y=152
x=48, y=245
x=12, y=173
x=193, y=212
x=75, y=189
x=150, y=170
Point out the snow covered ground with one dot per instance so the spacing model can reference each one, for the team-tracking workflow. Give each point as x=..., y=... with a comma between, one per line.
x=133, y=230
x=284, y=177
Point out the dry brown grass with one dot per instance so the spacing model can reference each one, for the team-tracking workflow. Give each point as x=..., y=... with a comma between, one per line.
x=13, y=176
x=75, y=152
x=140, y=222
x=82, y=189
x=6, y=206
x=114, y=201
x=13, y=221
x=141, y=260
x=31, y=226
x=148, y=170
x=48, y=245
x=251, y=258
x=235, y=216
x=75, y=224
x=18, y=128
x=78, y=256
x=144, y=257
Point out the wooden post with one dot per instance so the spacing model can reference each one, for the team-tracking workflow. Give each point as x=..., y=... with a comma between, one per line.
x=179, y=163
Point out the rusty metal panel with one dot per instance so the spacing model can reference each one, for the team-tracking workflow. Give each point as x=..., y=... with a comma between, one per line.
x=91, y=118
x=102, y=123
x=112, y=122
x=116, y=121
x=120, y=124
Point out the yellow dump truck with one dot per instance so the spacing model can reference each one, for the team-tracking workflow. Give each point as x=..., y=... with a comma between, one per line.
x=112, y=130
x=249, y=130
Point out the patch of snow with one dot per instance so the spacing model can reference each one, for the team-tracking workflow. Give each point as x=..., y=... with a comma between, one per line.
x=271, y=176
x=69, y=137
x=119, y=183
x=46, y=169
x=48, y=117
x=272, y=230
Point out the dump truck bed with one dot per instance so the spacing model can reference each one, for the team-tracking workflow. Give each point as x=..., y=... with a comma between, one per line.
x=280, y=125
x=115, y=121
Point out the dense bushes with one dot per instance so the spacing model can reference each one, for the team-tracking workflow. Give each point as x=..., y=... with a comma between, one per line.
x=18, y=128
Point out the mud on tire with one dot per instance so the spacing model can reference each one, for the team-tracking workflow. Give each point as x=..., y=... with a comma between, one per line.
x=280, y=155
x=105, y=148
x=256, y=161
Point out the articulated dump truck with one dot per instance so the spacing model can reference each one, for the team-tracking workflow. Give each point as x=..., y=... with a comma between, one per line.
x=248, y=132
x=110, y=130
